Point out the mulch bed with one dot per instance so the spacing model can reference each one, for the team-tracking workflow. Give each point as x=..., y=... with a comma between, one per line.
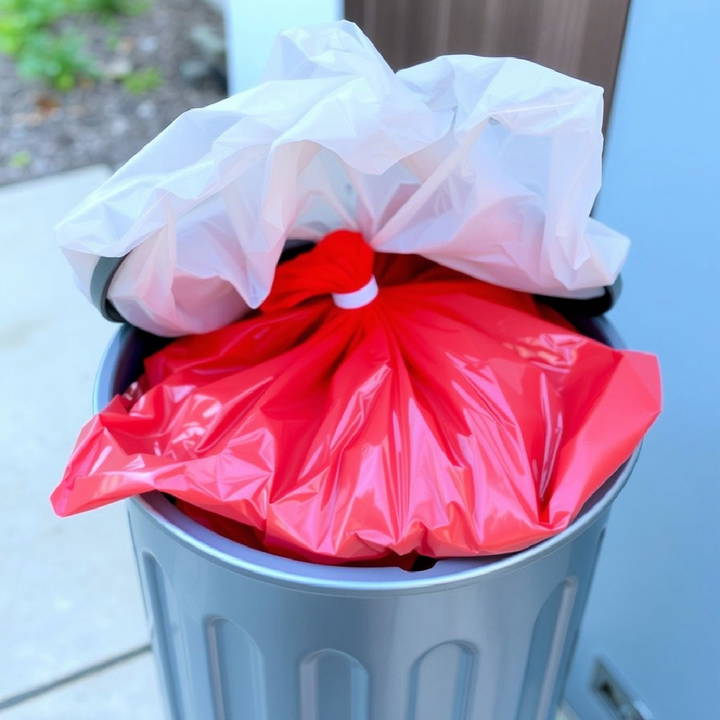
x=43, y=131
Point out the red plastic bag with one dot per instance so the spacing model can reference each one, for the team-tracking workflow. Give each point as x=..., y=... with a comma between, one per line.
x=445, y=416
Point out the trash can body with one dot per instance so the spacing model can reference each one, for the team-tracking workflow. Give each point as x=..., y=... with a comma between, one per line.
x=240, y=634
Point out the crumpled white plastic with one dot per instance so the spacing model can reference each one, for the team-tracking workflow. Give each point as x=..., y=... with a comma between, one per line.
x=486, y=165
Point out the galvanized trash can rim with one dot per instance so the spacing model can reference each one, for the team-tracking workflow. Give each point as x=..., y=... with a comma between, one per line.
x=364, y=580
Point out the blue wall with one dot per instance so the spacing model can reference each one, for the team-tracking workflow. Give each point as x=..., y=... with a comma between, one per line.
x=655, y=609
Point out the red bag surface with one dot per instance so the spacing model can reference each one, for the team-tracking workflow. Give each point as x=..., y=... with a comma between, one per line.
x=445, y=417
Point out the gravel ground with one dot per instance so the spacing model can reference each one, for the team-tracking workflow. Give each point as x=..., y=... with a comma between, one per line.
x=43, y=131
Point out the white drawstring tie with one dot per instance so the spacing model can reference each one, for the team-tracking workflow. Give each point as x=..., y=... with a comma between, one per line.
x=364, y=296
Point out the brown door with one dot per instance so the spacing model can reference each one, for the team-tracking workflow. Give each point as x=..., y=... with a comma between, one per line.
x=582, y=38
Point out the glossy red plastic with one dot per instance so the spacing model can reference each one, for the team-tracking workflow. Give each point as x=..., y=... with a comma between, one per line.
x=447, y=417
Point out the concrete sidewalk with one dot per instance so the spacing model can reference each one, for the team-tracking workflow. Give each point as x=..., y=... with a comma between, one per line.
x=69, y=600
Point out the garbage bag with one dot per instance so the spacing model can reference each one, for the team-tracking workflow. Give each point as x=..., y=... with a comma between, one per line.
x=489, y=166
x=376, y=406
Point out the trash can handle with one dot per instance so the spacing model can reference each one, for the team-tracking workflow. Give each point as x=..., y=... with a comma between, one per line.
x=102, y=276
x=107, y=267
x=588, y=307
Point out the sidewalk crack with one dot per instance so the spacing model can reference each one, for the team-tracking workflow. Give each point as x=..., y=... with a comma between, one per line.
x=38, y=690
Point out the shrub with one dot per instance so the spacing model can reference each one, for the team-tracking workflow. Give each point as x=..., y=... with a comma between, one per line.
x=59, y=60
x=29, y=34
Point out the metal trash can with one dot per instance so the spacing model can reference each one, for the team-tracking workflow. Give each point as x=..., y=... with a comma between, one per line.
x=240, y=634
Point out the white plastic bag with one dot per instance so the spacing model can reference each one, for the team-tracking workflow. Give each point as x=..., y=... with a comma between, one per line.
x=486, y=165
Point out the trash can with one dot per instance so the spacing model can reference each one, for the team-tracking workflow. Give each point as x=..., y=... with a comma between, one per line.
x=240, y=634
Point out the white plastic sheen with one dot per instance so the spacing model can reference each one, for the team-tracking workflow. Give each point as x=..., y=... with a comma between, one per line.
x=487, y=165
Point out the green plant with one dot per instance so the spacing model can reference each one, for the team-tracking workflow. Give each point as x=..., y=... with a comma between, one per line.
x=21, y=19
x=26, y=15
x=29, y=34
x=112, y=36
x=59, y=60
x=116, y=7
x=20, y=159
x=142, y=81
